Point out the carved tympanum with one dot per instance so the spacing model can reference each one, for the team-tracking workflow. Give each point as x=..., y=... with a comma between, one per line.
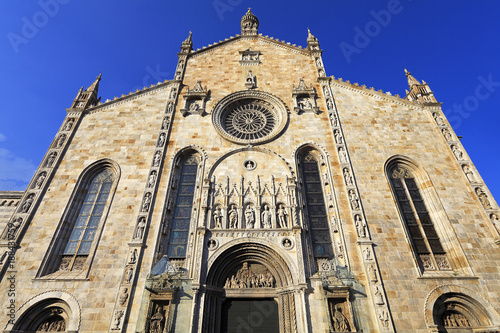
x=251, y=276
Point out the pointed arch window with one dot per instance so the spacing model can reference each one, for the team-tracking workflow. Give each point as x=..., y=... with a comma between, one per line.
x=425, y=241
x=318, y=217
x=182, y=210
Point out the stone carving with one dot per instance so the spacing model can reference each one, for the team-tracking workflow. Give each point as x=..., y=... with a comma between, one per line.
x=54, y=323
x=266, y=217
x=339, y=321
x=282, y=217
x=249, y=217
x=27, y=203
x=333, y=117
x=338, y=137
x=372, y=272
x=458, y=154
x=117, y=319
x=360, y=226
x=233, y=218
x=161, y=140
x=383, y=316
x=468, y=173
x=217, y=218
x=146, y=202
x=250, y=81
x=447, y=134
x=152, y=179
x=495, y=221
x=442, y=262
x=157, y=159
x=246, y=278
x=40, y=180
x=51, y=159
x=249, y=57
x=195, y=100
x=326, y=91
x=286, y=243
x=321, y=73
x=438, y=118
x=60, y=140
x=165, y=123
x=305, y=97
x=212, y=244
x=483, y=198
x=318, y=62
x=130, y=275
x=455, y=319
x=343, y=155
x=157, y=322
x=16, y=223
x=367, y=253
x=133, y=256
x=123, y=297
x=348, y=177
x=353, y=199
x=170, y=107
x=173, y=93
x=427, y=262
x=379, y=298
x=140, y=228
x=250, y=165
x=69, y=124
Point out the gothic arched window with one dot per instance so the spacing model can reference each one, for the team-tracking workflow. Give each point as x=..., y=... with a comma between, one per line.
x=182, y=207
x=417, y=219
x=316, y=209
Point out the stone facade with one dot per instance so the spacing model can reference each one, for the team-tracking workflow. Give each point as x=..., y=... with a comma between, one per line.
x=253, y=179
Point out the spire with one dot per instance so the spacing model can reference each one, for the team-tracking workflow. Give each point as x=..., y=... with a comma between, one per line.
x=95, y=85
x=312, y=41
x=249, y=24
x=88, y=97
x=419, y=92
x=187, y=44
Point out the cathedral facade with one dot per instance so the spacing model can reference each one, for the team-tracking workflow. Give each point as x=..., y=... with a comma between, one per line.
x=252, y=193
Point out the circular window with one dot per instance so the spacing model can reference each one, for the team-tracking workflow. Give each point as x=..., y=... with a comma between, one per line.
x=249, y=117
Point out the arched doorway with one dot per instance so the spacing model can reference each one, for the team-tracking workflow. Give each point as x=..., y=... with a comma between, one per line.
x=249, y=288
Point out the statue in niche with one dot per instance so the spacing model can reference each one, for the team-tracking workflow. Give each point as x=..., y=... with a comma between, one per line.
x=146, y=202
x=372, y=272
x=468, y=172
x=282, y=217
x=173, y=93
x=152, y=179
x=348, y=177
x=165, y=123
x=40, y=180
x=360, y=226
x=304, y=103
x=338, y=137
x=181, y=64
x=339, y=321
x=60, y=141
x=458, y=154
x=14, y=226
x=117, y=318
x=69, y=124
x=438, y=118
x=194, y=106
x=157, y=321
x=27, y=204
x=342, y=155
x=133, y=256
x=233, y=218
x=483, y=198
x=367, y=253
x=170, y=107
x=161, y=140
x=333, y=118
x=157, y=159
x=212, y=244
x=249, y=217
x=140, y=228
x=217, y=218
x=379, y=299
x=447, y=134
x=383, y=316
x=322, y=73
x=326, y=91
x=318, y=62
x=178, y=76
x=353, y=199
x=325, y=178
x=51, y=159
x=123, y=297
x=266, y=217
x=495, y=221
x=129, y=276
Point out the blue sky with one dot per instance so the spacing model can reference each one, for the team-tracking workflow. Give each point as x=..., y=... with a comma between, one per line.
x=50, y=48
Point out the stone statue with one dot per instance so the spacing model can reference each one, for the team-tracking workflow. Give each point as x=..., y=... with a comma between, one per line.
x=173, y=93
x=483, y=198
x=249, y=217
x=69, y=124
x=342, y=155
x=383, y=316
x=339, y=321
x=233, y=218
x=40, y=180
x=157, y=159
x=458, y=154
x=152, y=179
x=157, y=321
x=379, y=299
x=266, y=217
x=217, y=218
x=123, y=297
x=353, y=199
x=438, y=118
x=146, y=202
x=322, y=73
x=367, y=253
x=51, y=159
x=468, y=172
x=14, y=226
x=447, y=134
x=329, y=105
x=287, y=243
x=27, y=204
x=133, y=256
x=117, y=318
x=140, y=228
x=193, y=107
x=326, y=91
x=170, y=107
x=161, y=140
x=130, y=275
x=165, y=123
x=348, y=177
x=372, y=272
x=318, y=62
x=360, y=226
x=338, y=137
x=282, y=217
x=495, y=221
x=60, y=141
